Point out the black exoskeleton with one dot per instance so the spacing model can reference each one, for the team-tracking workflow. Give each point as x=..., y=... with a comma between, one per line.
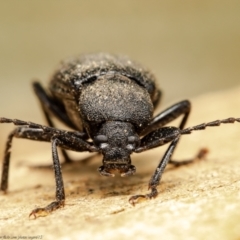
x=110, y=100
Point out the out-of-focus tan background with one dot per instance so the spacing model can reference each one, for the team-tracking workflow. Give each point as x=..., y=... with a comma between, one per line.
x=193, y=47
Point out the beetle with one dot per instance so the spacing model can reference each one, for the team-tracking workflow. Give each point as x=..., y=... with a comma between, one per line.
x=109, y=102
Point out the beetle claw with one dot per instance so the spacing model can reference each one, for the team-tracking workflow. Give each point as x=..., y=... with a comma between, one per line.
x=38, y=212
x=137, y=199
x=140, y=198
x=43, y=212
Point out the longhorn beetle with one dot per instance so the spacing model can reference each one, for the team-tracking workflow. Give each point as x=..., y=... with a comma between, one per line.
x=109, y=102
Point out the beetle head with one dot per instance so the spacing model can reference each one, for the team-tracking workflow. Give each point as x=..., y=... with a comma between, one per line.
x=116, y=141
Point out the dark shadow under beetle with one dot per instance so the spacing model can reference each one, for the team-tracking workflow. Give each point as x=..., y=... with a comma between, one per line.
x=109, y=100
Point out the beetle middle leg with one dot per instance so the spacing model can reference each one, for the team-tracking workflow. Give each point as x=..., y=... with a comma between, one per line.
x=156, y=135
x=50, y=106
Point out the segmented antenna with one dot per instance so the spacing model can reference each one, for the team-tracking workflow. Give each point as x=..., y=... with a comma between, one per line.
x=27, y=124
x=18, y=122
x=209, y=124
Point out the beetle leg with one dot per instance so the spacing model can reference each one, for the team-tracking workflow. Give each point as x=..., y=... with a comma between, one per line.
x=156, y=136
x=60, y=194
x=152, y=140
x=168, y=115
x=67, y=142
x=50, y=106
x=20, y=132
x=6, y=161
x=63, y=139
x=156, y=177
x=149, y=141
x=165, y=135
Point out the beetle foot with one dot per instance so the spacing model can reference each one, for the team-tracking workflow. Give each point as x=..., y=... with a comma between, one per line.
x=42, y=212
x=140, y=198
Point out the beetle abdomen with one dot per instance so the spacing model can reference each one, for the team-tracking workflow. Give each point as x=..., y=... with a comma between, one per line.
x=114, y=97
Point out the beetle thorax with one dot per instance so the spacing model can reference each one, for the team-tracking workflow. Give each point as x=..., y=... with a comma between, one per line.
x=114, y=97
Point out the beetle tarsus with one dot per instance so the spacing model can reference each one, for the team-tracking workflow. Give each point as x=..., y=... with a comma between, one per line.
x=42, y=212
x=139, y=198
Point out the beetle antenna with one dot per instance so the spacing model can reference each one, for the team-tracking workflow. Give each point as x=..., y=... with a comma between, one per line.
x=18, y=122
x=215, y=123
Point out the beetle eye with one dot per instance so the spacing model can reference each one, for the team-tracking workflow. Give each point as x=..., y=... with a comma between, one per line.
x=132, y=139
x=101, y=139
x=133, y=142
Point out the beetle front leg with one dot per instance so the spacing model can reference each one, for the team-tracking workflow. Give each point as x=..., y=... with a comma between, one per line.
x=67, y=142
x=152, y=140
x=60, y=194
x=156, y=177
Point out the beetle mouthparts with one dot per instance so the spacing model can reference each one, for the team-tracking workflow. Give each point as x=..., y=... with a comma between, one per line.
x=125, y=170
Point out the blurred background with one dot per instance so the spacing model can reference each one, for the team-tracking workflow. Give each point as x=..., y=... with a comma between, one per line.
x=192, y=47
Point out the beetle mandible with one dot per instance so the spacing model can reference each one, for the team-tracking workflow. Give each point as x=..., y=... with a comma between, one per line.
x=109, y=100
